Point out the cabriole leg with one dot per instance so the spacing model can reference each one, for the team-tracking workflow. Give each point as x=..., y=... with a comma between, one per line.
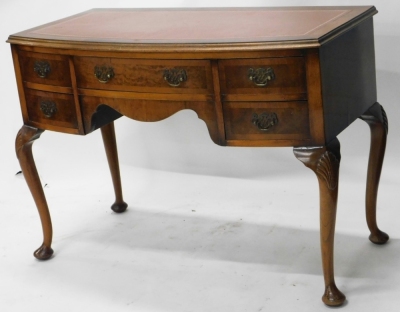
x=324, y=161
x=23, y=145
x=110, y=144
x=376, y=118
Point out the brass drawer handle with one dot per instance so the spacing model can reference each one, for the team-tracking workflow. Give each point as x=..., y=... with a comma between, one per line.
x=49, y=108
x=104, y=73
x=261, y=76
x=265, y=121
x=42, y=68
x=174, y=76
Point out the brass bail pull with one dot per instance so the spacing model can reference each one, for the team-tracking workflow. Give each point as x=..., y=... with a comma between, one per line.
x=261, y=76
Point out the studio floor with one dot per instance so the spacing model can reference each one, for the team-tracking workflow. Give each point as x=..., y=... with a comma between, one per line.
x=191, y=242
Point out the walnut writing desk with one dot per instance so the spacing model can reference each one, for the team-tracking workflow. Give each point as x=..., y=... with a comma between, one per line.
x=256, y=76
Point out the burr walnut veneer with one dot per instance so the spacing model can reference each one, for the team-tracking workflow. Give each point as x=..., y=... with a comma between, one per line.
x=256, y=76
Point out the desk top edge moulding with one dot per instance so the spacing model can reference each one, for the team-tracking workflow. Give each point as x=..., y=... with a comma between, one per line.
x=283, y=76
x=201, y=28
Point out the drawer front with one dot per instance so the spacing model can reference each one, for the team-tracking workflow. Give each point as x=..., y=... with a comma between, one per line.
x=266, y=120
x=152, y=76
x=45, y=69
x=54, y=109
x=271, y=79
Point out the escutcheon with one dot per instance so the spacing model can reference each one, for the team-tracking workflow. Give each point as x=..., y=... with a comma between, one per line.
x=42, y=68
x=261, y=76
x=265, y=121
x=104, y=73
x=175, y=77
x=49, y=108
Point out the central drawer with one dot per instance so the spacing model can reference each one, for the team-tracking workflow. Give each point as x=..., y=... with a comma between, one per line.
x=147, y=76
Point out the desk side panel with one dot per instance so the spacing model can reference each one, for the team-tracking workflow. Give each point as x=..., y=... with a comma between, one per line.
x=20, y=85
x=348, y=77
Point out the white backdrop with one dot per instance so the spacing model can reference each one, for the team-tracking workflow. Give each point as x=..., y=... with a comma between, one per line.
x=181, y=142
